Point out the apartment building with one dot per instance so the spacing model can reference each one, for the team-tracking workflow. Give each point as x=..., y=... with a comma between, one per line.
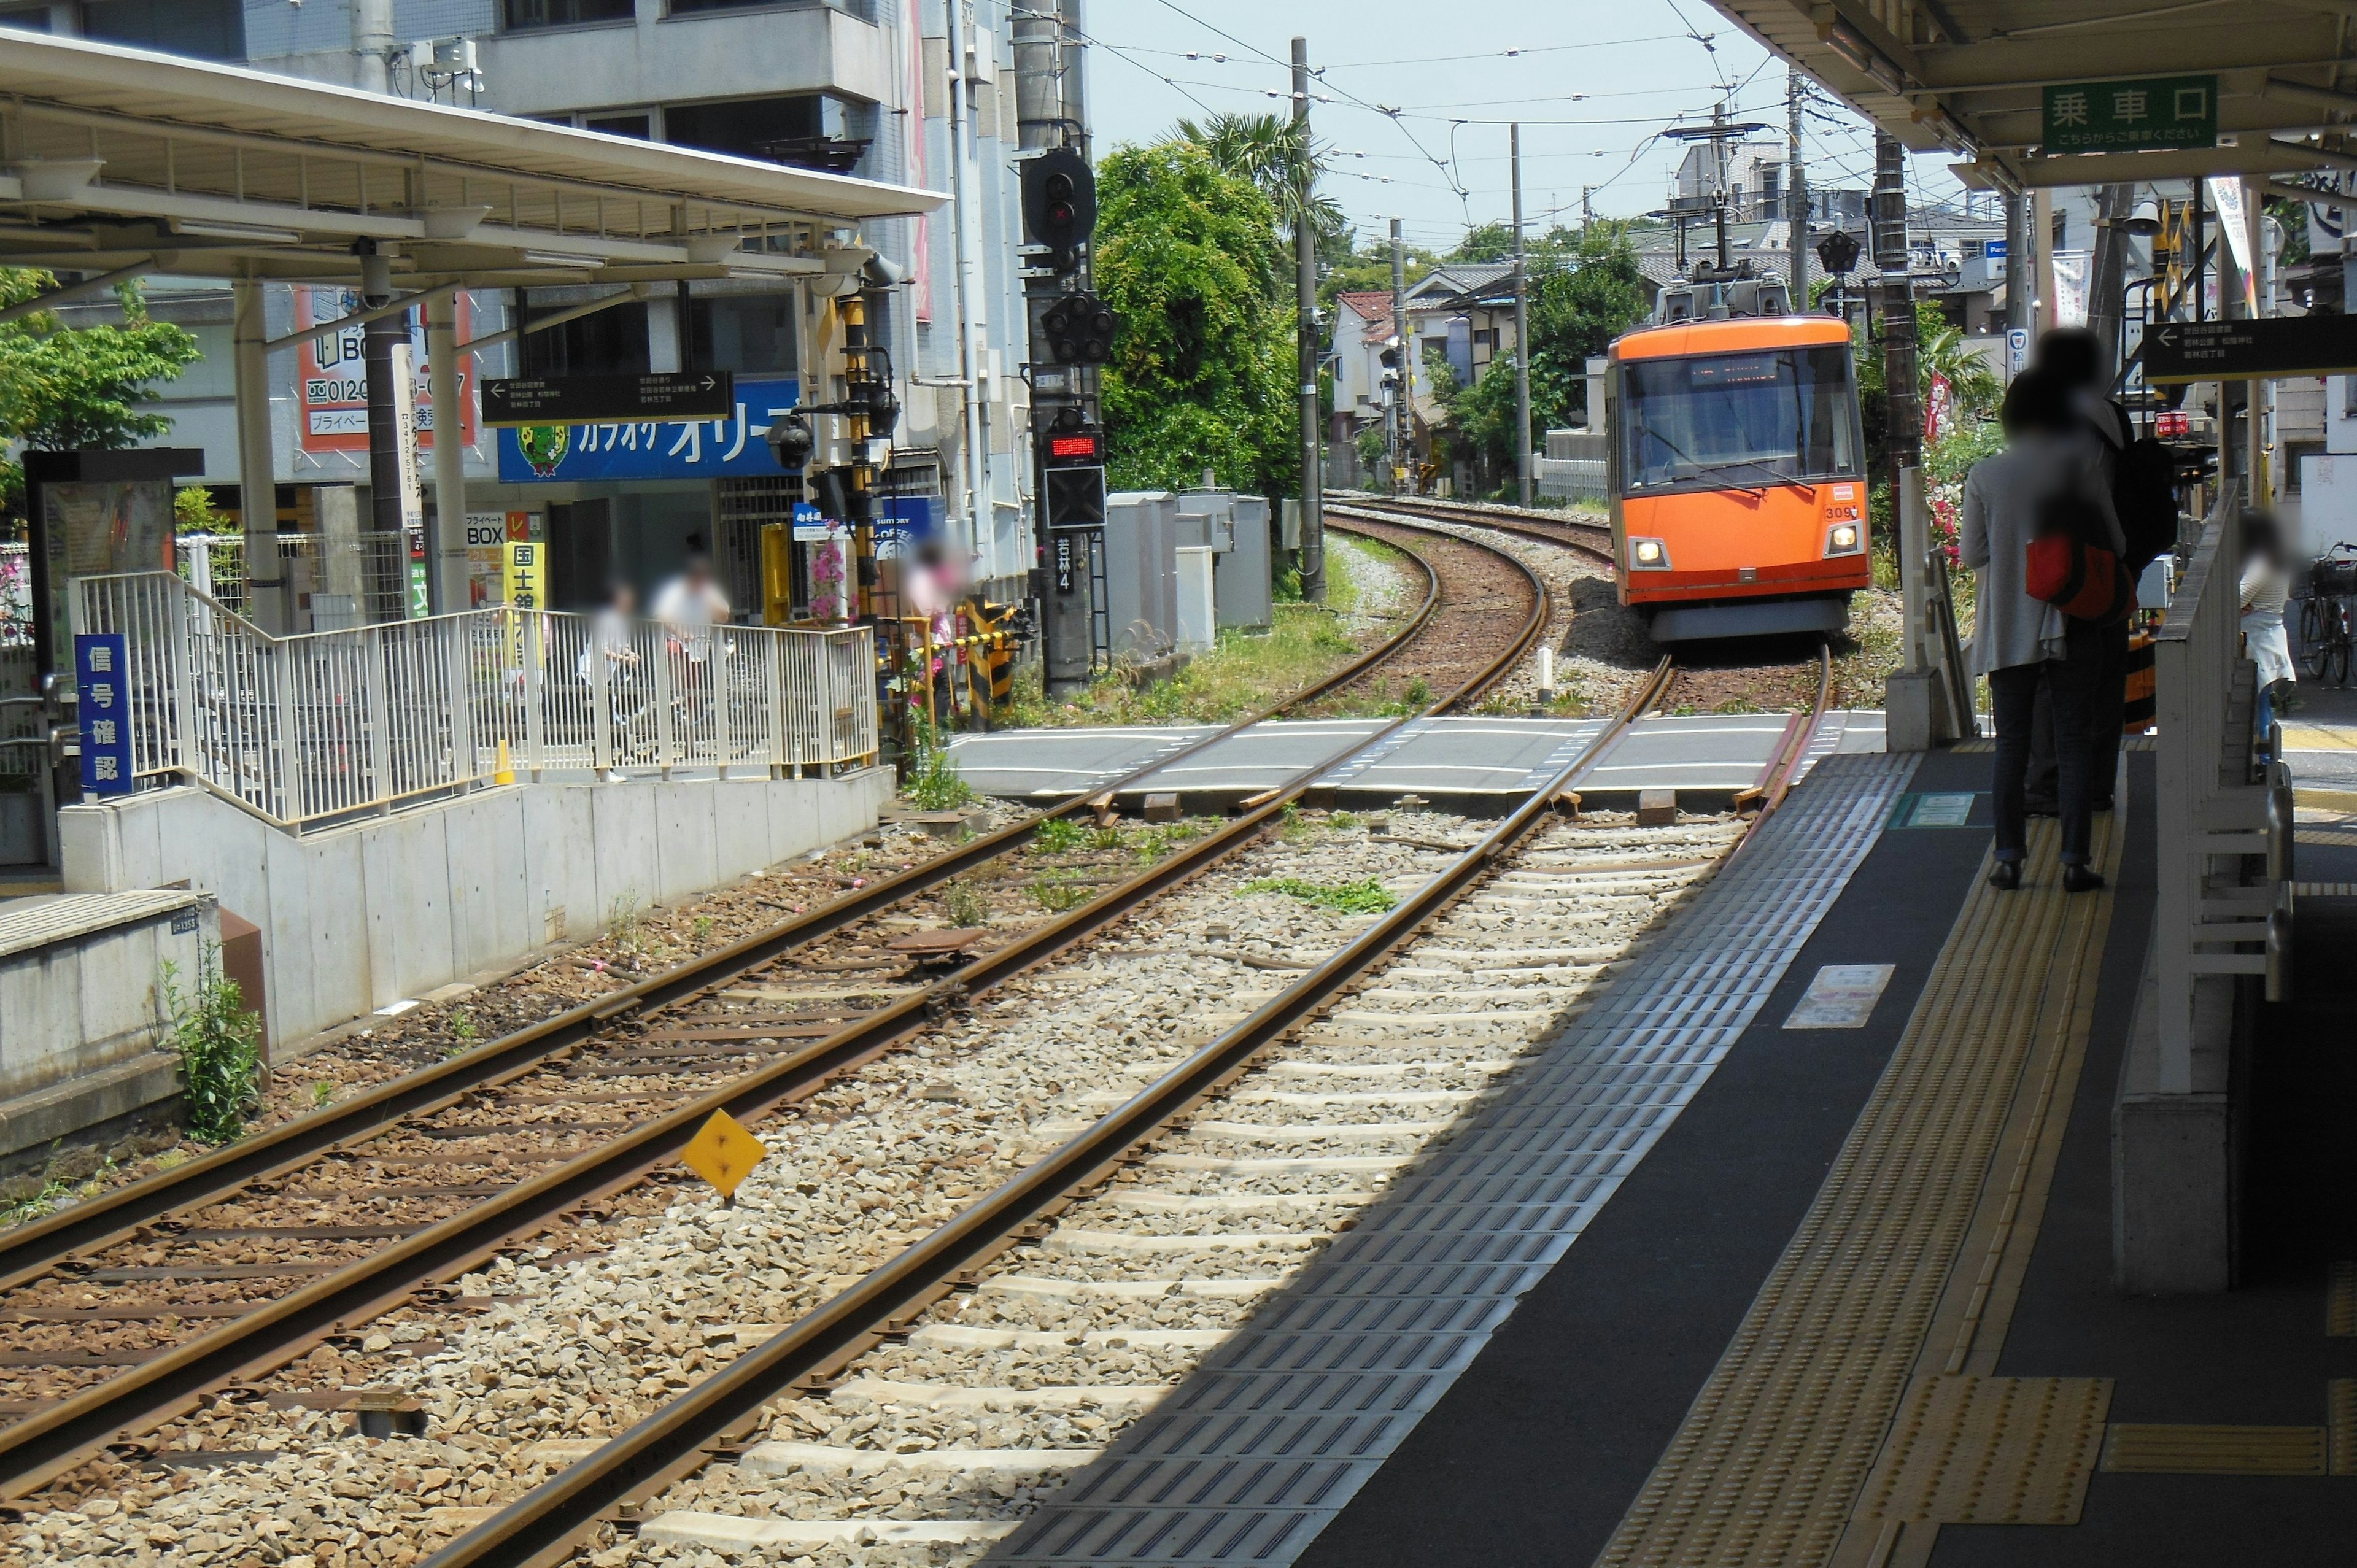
x=855, y=87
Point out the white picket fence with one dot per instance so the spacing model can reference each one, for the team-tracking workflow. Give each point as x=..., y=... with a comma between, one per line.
x=314, y=729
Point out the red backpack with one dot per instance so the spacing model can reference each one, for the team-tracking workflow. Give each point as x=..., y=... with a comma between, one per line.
x=2082, y=579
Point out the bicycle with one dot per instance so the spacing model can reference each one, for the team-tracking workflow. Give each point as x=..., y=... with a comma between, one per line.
x=2325, y=638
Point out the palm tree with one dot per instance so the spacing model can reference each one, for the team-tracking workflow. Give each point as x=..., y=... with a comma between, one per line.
x=1275, y=154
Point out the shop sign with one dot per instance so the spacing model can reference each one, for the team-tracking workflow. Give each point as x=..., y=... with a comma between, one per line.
x=331, y=380
x=731, y=447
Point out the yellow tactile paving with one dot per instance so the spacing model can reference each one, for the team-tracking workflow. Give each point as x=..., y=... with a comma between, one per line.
x=1976, y=1450
x=2156, y=1449
x=1770, y=1462
x=2341, y=1425
x=2315, y=737
x=2340, y=1301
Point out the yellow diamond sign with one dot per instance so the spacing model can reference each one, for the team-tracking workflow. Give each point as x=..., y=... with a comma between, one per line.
x=723, y=1153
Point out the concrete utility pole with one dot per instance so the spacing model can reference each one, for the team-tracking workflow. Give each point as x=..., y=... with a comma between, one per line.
x=1038, y=102
x=1796, y=191
x=2017, y=271
x=2107, y=273
x=1890, y=255
x=1522, y=326
x=1586, y=209
x=372, y=41
x=964, y=183
x=1407, y=388
x=1304, y=288
x=1718, y=196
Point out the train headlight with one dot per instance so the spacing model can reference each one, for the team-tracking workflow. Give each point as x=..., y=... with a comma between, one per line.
x=1649, y=556
x=1845, y=538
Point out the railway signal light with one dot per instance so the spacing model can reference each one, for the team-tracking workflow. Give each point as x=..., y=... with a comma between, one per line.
x=1838, y=251
x=1060, y=205
x=1080, y=329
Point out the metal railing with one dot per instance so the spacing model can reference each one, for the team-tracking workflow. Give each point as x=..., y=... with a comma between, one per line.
x=311, y=729
x=2212, y=801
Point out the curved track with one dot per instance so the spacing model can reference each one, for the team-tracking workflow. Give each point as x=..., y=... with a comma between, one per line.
x=128, y=1308
x=1491, y=609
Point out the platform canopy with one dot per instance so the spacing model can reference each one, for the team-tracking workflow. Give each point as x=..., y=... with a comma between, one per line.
x=1973, y=76
x=117, y=159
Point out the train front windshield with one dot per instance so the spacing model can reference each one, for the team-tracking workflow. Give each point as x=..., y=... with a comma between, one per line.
x=1739, y=421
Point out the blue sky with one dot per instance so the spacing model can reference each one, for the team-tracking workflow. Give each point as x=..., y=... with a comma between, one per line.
x=1593, y=82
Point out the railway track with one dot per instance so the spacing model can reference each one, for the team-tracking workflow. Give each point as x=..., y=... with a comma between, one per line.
x=133, y=1308
x=720, y=1415
x=1491, y=595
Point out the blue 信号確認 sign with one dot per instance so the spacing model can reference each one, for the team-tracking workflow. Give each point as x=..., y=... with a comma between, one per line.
x=670, y=449
x=101, y=660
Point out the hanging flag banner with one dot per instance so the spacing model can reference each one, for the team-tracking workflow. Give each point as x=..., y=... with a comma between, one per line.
x=733, y=446
x=2233, y=219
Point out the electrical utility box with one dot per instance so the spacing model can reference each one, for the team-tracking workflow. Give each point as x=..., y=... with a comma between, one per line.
x=1142, y=573
x=1242, y=574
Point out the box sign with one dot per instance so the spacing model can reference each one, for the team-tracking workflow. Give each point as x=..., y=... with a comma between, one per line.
x=488, y=535
x=101, y=659
x=2142, y=115
x=733, y=446
x=331, y=380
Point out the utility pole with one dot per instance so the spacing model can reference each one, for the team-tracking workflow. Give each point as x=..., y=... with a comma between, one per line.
x=2017, y=270
x=1586, y=209
x=1796, y=191
x=1407, y=388
x=1719, y=135
x=972, y=352
x=1522, y=326
x=1890, y=255
x=1304, y=288
x=372, y=42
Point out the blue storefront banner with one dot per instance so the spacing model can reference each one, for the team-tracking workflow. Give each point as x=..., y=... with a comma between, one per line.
x=903, y=521
x=670, y=449
x=101, y=659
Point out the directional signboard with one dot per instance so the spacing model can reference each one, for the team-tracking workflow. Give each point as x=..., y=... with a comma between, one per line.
x=604, y=399
x=2144, y=115
x=2250, y=350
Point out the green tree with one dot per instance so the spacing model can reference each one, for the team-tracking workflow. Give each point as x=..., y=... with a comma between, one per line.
x=1593, y=293
x=1485, y=243
x=1343, y=269
x=1202, y=370
x=1276, y=155
x=62, y=387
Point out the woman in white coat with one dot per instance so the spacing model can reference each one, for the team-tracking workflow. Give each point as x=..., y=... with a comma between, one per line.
x=2021, y=642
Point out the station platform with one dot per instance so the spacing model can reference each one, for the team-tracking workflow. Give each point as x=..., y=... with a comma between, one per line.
x=1479, y=766
x=1797, y=1249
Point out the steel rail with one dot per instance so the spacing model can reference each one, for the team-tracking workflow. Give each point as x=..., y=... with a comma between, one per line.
x=1542, y=532
x=45, y=1445
x=542, y=1527
x=31, y=1249
x=1779, y=782
x=1534, y=627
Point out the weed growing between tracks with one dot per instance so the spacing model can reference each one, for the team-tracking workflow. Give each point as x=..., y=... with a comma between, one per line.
x=1367, y=897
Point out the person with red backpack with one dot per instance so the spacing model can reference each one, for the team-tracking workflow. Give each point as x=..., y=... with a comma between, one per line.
x=2142, y=477
x=2038, y=531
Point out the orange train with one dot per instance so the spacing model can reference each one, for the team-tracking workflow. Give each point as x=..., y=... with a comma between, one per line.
x=1737, y=471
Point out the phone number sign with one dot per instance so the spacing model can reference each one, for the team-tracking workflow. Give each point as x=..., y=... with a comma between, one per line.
x=332, y=375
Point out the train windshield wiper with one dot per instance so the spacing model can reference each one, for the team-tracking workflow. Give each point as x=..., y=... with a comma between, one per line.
x=1776, y=474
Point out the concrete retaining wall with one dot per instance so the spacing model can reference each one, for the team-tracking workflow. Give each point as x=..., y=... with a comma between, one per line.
x=82, y=1009
x=355, y=918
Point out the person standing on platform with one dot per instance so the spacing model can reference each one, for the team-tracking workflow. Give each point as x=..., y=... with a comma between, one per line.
x=2021, y=640
x=2073, y=356
x=2267, y=585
